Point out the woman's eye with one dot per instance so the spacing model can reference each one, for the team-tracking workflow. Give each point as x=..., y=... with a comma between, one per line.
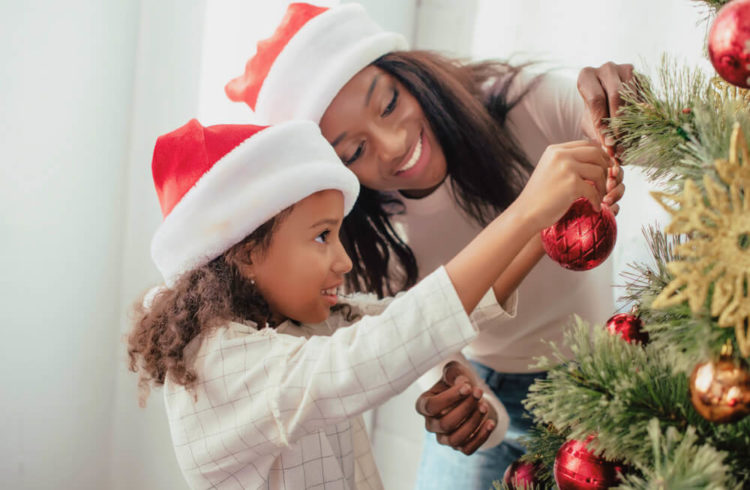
x=392, y=104
x=357, y=154
x=323, y=237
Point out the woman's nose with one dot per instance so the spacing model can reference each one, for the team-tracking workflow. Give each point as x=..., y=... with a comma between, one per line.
x=391, y=144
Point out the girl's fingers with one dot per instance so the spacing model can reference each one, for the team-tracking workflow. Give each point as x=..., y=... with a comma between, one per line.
x=589, y=192
x=479, y=437
x=615, y=177
x=591, y=153
x=592, y=174
x=614, y=195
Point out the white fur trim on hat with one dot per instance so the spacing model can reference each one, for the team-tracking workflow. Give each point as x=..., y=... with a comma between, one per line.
x=319, y=60
x=262, y=176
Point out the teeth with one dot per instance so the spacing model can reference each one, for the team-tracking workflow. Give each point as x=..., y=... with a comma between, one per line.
x=328, y=292
x=414, y=156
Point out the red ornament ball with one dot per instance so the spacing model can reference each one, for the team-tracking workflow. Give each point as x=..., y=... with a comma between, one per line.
x=629, y=327
x=729, y=43
x=582, y=238
x=521, y=474
x=576, y=468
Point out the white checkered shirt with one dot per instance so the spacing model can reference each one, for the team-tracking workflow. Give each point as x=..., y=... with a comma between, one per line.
x=281, y=408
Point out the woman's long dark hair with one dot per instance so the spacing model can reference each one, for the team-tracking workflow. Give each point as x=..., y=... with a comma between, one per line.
x=487, y=167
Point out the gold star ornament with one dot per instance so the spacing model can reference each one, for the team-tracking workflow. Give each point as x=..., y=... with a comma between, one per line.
x=717, y=248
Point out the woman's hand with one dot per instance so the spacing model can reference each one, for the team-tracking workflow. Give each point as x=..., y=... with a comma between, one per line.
x=600, y=88
x=564, y=173
x=454, y=411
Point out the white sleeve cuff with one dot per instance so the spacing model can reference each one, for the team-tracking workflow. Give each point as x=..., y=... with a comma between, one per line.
x=489, y=309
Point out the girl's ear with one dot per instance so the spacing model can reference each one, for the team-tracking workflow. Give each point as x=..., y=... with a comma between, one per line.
x=241, y=256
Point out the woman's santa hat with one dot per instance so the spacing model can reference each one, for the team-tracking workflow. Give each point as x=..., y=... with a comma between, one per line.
x=217, y=184
x=315, y=51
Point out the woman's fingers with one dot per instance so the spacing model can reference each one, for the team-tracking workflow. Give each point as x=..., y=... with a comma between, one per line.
x=432, y=404
x=452, y=420
x=479, y=437
x=463, y=432
x=600, y=89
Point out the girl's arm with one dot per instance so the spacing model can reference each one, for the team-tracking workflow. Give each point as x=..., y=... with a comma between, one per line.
x=515, y=273
x=263, y=390
x=564, y=173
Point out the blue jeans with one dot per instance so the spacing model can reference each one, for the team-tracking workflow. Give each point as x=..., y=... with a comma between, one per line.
x=444, y=467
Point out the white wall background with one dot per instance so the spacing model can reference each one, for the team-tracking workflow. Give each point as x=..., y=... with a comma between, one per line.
x=87, y=86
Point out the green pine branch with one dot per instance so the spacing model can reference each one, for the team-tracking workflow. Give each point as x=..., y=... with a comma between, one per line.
x=614, y=389
x=542, y=444
x=713, y=4
x=679, y=461
x=677, y=126
x=691, y=337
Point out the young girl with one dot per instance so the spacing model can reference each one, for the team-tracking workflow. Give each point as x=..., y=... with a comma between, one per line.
x=263, y=388
x=441, y=147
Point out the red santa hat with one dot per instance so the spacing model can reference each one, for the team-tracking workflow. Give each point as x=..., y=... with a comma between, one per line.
x=217, y=184
x=315, y=51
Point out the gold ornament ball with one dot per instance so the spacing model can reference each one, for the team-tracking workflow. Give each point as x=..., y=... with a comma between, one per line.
x=720, y=390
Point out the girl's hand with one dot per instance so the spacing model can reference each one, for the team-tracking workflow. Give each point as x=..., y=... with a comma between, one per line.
x=564, y=173
x=615, y=188
x=454, y=411
x=600, y=88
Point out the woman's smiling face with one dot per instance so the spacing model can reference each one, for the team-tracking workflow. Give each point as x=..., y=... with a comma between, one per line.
x=380, y=132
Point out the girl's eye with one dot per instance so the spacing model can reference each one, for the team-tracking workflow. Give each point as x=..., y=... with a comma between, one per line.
x=392, y=104
x=323, y=237
x=357, y=154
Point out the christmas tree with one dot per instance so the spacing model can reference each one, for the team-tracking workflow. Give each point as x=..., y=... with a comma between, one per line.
x=658, y=398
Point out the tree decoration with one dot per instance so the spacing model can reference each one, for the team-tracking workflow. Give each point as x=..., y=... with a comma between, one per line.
x=720, y=390
x=628, y=326
x=522, y=474
x=582, y=238
x=729, y=43
x=577, y=468
x=717, y=251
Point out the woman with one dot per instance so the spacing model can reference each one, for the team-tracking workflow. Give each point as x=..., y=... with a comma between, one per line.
x=441, y=148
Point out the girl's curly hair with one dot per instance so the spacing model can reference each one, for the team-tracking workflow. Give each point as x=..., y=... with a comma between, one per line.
x=201, y=299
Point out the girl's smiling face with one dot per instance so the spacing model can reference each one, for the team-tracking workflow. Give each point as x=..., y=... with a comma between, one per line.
x=380, y=132
x=305, y=262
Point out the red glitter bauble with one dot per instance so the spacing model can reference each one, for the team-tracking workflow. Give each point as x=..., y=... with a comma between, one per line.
x=576, y=468
x=629, y=327
x=582, y=238
x=729, y=43
x=521, y=474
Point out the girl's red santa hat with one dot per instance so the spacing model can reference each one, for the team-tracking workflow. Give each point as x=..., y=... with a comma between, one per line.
x=217, y=184
x=315, y=51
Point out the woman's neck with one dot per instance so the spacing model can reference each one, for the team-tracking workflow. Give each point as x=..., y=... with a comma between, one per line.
x=421, y=193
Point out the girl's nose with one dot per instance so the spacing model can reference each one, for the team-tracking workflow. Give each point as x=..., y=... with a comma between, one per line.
x=342, y=264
